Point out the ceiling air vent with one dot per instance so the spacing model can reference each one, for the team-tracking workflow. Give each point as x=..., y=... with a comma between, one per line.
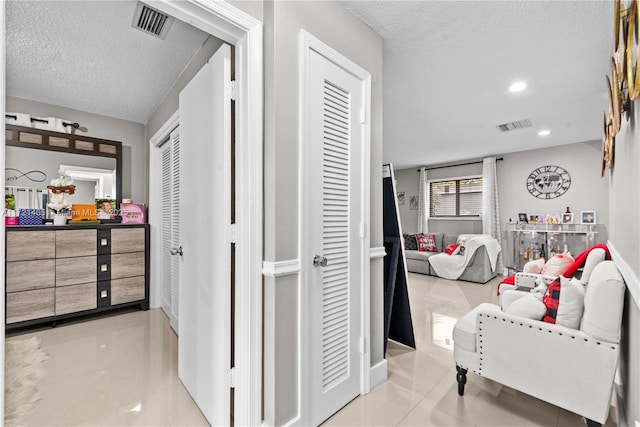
x=520, y=124
x=151, y=21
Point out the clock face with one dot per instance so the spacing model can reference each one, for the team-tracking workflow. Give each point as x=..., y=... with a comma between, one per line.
x=548, y=182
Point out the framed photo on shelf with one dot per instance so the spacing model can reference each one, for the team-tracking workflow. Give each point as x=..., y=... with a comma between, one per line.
x=536, y=219
x=106, y=208
x=553, y=218
x=567, y=218
x=522, y=218
x=588, y=217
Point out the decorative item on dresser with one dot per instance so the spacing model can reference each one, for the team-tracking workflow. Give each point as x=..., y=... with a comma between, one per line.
x=54, y=273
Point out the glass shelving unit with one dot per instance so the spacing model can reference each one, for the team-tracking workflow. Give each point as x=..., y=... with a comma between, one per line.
x=531, y=241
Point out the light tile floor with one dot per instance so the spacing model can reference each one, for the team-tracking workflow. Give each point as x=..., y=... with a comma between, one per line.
x=122, y=371
x=113, y=371
x=421, y=389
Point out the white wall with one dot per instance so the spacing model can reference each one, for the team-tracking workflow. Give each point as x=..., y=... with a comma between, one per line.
x=624, y=236
x=588, y=190
x=134, y=148
x=407, y=181
x=333, y=25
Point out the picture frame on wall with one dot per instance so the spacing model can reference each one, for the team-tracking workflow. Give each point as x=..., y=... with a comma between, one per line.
x=567, y=218
x=588, y=217
x=413, y=203
x=401, y=197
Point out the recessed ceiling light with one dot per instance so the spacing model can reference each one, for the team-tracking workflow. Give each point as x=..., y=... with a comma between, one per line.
x=517, y=87
x=544, y=132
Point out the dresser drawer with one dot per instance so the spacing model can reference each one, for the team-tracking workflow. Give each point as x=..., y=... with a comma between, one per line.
x=73, y=243
x=127, y=239
x=29, y=275
x=70, y=299
x=127, y=265
x=73, y=271
x=30, y=305
x=127, y=290
x=30, y=245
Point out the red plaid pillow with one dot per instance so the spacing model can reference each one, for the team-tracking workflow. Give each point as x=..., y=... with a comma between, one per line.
x=426, y=243
x=551, y=300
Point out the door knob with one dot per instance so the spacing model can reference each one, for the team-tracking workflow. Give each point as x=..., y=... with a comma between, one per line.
x=320, y=261
x=177, y=251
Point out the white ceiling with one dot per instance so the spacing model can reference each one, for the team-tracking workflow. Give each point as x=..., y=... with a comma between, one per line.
x=85, y=55
x=448, y=66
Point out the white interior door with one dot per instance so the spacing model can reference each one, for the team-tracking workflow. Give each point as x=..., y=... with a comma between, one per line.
x=204, y=355
x=335, y=215
x=170, y=225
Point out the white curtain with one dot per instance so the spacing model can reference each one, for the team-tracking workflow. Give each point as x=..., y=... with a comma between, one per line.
x=490, y=209
x=423, y=208
x=26, y=197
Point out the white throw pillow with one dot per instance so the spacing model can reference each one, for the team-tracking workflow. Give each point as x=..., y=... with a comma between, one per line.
x=528, y=306
x=571, y=303
x=594, y=258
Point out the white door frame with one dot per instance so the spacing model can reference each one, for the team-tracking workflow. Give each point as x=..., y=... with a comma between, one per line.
x=235, y=27
x=155, y=205
x=2, y=164
x=308, y=43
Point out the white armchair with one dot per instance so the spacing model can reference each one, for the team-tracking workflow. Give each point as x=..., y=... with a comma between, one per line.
x=580, y=363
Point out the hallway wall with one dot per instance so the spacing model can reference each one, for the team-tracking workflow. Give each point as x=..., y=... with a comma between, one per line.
x=332, y=24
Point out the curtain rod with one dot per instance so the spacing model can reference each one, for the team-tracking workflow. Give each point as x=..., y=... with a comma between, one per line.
x=459, y=164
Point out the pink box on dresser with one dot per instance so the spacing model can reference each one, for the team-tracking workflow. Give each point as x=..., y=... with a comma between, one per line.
x=133, y=213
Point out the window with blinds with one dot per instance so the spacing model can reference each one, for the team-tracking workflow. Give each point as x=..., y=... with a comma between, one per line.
x=456, y=198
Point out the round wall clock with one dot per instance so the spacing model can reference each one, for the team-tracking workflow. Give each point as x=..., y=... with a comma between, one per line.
x=548, y=182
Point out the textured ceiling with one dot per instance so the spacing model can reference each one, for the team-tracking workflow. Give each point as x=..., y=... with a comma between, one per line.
x=85, y=55
x=448, y=66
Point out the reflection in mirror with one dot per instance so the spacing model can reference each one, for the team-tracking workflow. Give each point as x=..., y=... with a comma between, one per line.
x=101, y=183
x=29, y=171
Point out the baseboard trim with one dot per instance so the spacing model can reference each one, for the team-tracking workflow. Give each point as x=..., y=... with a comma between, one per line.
x=630, y=278
x=378, y=252
x=281, y=268
x=378, y=374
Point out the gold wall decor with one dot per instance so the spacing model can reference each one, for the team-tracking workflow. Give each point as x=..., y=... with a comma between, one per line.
x=615, y=98
x=604, y=148
x=632, y=46
x=620, y=27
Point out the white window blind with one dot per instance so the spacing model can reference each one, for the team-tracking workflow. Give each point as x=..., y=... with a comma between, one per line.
x=456, y=198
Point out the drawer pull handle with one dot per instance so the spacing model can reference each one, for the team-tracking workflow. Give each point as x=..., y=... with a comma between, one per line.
x=104, y=242
x=103, y=294
x=104, y=267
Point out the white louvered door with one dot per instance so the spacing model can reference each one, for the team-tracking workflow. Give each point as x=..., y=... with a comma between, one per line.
x=334, y=176
x=170, y=220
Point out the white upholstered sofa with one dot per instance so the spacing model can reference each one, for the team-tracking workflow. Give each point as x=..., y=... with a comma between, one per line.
x=574, y=368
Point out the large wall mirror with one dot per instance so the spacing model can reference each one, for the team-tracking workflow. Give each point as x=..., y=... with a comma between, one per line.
x=34, y=157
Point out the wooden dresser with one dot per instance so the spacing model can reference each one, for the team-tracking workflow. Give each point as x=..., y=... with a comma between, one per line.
x=54, y=273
